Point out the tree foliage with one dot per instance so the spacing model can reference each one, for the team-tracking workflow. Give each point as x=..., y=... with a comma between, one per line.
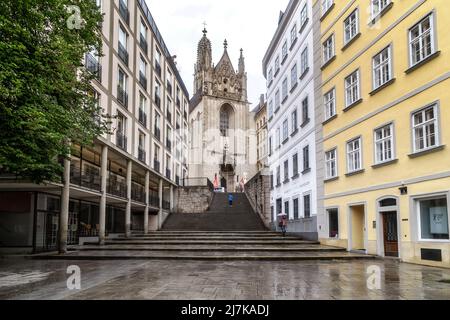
x=45, y=98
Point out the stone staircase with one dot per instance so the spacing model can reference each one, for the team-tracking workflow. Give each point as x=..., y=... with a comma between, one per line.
x=221, y=233
x=218, y=217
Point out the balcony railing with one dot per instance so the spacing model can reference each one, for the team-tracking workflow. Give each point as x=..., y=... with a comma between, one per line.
x=93, y=66
x=88, y=178
x=143, y=44
x=122, y=96
x=157, y=101
x=142, y=155
x=158, y=68
x=137, y=192
x=168, y=174
x=123, y=54
x=116, y=185
x=143, y=80
x=123, y=11
x=157, y=133
x=143, y=117
x=156, y=165
x=121, y=140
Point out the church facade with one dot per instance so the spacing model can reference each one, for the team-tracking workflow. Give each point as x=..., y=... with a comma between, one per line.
x=222, y=128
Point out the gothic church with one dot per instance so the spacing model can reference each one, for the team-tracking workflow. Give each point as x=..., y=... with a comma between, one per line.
x=223, y=135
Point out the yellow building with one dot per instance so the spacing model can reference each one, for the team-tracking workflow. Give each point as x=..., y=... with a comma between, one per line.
x=386, y=139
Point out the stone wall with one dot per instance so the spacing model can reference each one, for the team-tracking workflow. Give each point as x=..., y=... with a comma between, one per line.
x=192, y=199
x=257, y=190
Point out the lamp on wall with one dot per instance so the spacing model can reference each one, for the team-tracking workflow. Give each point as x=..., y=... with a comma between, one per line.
x=403, y=189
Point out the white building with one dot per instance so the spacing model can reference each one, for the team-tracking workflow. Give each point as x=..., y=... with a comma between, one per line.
x=288, y=68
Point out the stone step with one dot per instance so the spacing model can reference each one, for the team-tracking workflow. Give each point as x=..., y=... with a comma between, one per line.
x=201, y=248
x=215, y=242
x=212, y=238
x=207, y=232
x=167, y=255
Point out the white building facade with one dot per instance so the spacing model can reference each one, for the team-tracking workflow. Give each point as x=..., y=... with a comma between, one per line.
x=288, y=68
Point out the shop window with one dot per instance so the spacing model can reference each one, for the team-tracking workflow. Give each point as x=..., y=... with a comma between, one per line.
x=433, y=219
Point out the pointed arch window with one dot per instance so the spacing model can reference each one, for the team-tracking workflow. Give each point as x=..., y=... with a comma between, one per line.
x=224, y=122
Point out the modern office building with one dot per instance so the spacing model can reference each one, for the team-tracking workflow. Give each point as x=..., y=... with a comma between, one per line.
x=126, y=180
x=288, y=67
x=385, y=105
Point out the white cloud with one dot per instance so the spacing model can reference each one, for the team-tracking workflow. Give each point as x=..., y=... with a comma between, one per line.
x=246, y=24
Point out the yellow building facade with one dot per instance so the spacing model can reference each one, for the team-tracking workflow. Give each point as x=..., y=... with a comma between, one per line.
x=386, y=136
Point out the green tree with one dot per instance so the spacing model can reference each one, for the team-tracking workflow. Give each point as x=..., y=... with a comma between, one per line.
x=45, y=97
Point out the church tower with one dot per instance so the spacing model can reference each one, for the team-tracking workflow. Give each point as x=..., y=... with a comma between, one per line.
x=223, y=135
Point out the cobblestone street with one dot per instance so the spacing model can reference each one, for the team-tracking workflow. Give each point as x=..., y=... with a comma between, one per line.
x=39, y=279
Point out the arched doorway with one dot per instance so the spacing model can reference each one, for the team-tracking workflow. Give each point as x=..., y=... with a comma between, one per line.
x=388, y=231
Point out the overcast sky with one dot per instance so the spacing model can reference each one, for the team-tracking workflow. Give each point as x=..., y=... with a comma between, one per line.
x=246, y=24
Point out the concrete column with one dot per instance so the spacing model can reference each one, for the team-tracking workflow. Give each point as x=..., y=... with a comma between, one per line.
x=64, y=217
x=171, y=198
x=104, y=175
x=147, y=198
x=128, y=208
x=160, y=212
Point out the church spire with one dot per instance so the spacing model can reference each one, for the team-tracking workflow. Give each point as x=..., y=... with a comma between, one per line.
x=241, y=63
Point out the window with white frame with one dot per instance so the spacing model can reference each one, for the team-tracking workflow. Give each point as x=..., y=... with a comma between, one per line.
x=277, y=64
x=306, y=163
x=307, y=205
x=352, y=92
x=304, y=15
x=384, y=144
x=421, y=40
x=278, y=137
x=425, y=128
x=382, y=68
x=285, y=129
x=354, y=155
x=286, y=171
x=377, y=6
x=330, y=103
x=304, y=60
x=326, y=4
x=284, y=51
x=433, y=218
x=293, y=34
x=294, y=76
x=284, y=88
x=277, y=99
x=295, y=165
x=305, y=110
x=331, y=163
x=294, y=121
x=351, y=26
x=270, y=108
x=270, y=76
x=328, y=49
x=270, y=146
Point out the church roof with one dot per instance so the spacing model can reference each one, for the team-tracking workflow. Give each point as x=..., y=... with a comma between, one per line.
x=225, y=66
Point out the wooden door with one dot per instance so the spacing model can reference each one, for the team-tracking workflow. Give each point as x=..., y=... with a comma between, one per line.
x=390, y=234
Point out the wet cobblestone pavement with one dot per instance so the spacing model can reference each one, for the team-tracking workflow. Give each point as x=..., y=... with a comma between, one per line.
x=191, y=280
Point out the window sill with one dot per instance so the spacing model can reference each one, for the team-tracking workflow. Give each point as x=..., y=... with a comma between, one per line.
x=425, y=152
x=382, y=87
x=325, y=14
x=328, y=62
x=424, y=61
x=330, y=179
x=354, y=173
x=294, y=87
x=305, y=123
x=382, y=13
x=383, y=164
x=294, y=132
x=304, y=73
x=304, y=25
x=349, y=43
x=354, y=104
x=308, y=170
x=329, y=119
x=293, y=44
x=295, y=177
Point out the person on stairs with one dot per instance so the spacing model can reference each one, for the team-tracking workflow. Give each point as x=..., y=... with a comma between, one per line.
x=283, y=225
x=230, y=199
